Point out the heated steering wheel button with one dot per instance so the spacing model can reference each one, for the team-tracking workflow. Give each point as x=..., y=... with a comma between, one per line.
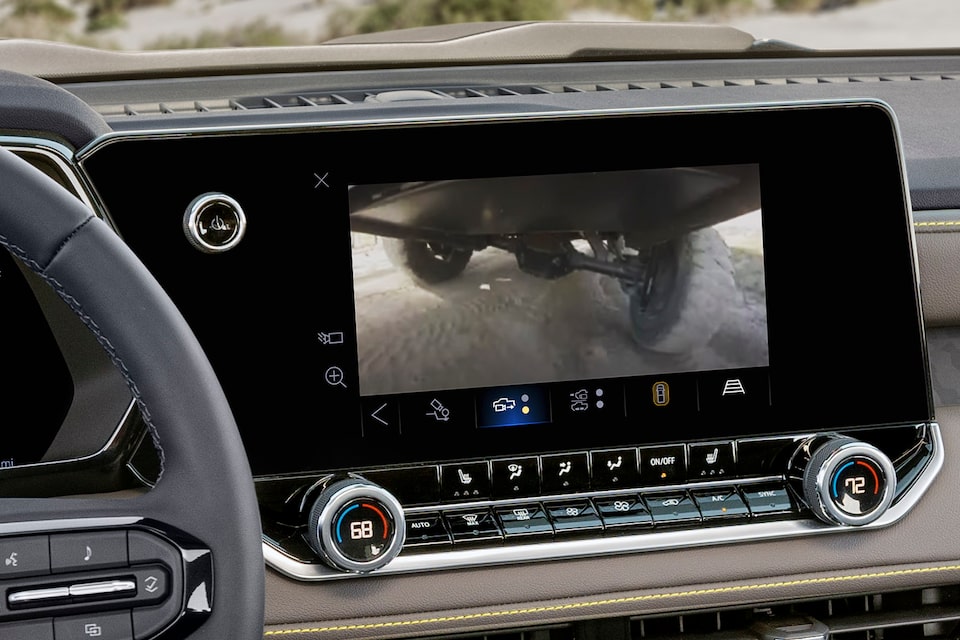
x=96, y=550
x=102, y=626
x=27, y=556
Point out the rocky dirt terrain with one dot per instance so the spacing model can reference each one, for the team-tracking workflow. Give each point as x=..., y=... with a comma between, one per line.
x=495, y=325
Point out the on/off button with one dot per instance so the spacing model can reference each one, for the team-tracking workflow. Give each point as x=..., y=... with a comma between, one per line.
x=663, y=465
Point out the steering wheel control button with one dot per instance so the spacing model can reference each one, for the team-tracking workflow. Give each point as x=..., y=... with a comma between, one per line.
x=524, y=520
x=624, y=511
x=663, y=465
x=25, y=556
x=672, y=508
x=614, y=469
x=464, y=481
x=214, y=223
x=767, y=499
x=80, y=551
x=426, y=530
x=28, y=630
x=573, y=517
x=847, y=481
x=471, y=526
x=356, y=525
x=721, y=504
x=711, y=461
x=564, y=473
x=99, y=626
x=515, y=478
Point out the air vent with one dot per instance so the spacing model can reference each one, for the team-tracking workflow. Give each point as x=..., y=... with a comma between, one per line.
x=323, y=99
x=932, y=613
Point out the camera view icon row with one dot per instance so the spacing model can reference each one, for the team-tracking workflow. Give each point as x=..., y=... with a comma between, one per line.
x=496, y=407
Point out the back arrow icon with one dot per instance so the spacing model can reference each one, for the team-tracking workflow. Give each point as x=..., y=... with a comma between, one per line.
x=378, y=418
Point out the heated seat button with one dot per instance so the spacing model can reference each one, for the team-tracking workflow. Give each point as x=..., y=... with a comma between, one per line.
x=26, y=556
x=767, y=499
x=464, y=481
x=672, y=508
x=721, y=503
x=711, y=461
x=624, y=511
x=426, y=530
x=473, y=526
x=94, y=550
x=524, y=520
x=573, y=517
x=103, y=626
x=28, y=630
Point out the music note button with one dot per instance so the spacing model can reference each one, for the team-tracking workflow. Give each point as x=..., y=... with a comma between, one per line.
x=96, y=549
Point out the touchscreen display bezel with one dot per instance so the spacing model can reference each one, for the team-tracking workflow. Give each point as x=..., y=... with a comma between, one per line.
x=838, y=256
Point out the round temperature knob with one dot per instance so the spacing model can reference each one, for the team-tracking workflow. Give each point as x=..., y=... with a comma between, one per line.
x=356, y=525
x=848, y=482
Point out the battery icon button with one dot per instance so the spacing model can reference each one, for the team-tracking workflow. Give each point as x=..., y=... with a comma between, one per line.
x=661, y=394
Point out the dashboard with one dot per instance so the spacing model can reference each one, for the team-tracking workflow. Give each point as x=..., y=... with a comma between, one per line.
x=620, y=348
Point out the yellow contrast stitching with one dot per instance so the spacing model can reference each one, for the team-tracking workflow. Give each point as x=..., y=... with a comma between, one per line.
x=945, y=223
x=597, y=603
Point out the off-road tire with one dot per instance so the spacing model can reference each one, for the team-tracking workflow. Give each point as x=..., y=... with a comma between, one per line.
x=693, y=289
x=427, y=263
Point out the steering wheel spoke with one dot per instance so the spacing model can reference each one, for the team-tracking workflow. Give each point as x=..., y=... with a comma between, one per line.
x=201, y=518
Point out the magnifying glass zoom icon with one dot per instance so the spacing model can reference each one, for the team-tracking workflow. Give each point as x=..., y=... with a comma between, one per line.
x=334, y=377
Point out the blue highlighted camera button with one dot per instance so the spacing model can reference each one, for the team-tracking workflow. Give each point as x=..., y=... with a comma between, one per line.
x=513, y=406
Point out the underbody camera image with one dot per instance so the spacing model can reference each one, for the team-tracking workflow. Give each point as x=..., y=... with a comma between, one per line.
x=522, y=279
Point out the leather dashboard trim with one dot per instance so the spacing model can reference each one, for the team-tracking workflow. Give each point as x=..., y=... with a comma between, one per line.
x=693, y=597
x=938, y=254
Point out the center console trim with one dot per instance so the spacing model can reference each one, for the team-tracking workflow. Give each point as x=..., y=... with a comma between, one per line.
x=644, y=542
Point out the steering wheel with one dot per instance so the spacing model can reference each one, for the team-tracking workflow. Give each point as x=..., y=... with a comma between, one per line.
x=205, y=488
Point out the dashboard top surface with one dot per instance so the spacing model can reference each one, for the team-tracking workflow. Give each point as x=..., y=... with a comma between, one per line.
x=922, y=93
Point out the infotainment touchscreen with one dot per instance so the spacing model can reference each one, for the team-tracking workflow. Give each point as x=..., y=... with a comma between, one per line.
x=558, y=278
x=452, y=289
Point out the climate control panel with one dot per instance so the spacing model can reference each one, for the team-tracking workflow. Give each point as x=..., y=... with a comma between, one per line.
x=569, y=504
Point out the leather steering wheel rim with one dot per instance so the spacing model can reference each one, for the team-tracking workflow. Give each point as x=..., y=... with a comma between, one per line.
x=205, y=488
